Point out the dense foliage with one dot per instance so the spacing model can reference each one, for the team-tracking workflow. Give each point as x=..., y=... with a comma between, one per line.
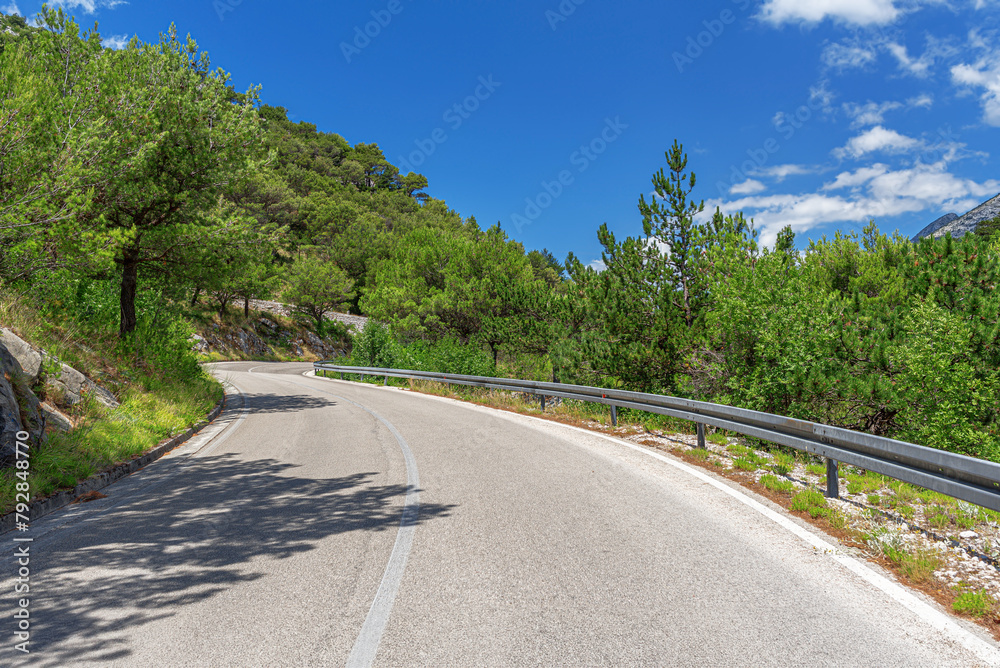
x=141, y=174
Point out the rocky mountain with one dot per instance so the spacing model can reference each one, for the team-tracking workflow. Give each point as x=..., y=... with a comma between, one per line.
x=959, y=225
x=935, y=226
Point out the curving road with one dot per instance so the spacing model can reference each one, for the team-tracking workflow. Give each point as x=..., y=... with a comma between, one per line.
x=322, y=523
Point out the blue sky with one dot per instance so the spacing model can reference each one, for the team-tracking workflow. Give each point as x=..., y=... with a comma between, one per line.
x=820, y=114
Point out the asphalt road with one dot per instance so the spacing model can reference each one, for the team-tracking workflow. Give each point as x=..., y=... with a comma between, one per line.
x=323, y=523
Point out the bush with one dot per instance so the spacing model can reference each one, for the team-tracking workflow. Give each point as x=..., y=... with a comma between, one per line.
x=374, y=346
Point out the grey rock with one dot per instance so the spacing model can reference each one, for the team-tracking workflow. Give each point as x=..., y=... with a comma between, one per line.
x=960, y=226
x=73, y=385
x=19, y=407
x=29, y=358
x=56, y=419
x=199, y=344
x=968, y=534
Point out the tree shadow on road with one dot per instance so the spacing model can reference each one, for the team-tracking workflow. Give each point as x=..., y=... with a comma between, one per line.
x=284, y=404
x=195, y=538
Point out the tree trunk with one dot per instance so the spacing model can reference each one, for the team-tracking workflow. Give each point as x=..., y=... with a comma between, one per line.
x=246, y=307
x=194, y=297
x=130, y=280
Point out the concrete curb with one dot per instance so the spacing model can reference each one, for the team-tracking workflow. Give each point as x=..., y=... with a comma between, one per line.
x=50, y=504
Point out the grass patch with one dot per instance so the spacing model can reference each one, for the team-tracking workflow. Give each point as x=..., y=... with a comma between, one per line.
x=816, y=469
x=745, y=464
x=974, y=603
x=776, y=484
x=738, y=450
x=699, y=454
x=718, y=438
x=812, y=502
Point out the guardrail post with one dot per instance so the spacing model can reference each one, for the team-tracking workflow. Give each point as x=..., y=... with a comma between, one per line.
x=385, y=381
x=543, y=402
x=342, y=375
x=614, y=416
x=701, y=436
x=832, y=479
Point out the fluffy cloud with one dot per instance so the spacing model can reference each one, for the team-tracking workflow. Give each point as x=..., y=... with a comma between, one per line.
x=871, y=192
x=854, y=12
x=875, y=139
x=982, y=76
x=10, y=9
x=748, y=187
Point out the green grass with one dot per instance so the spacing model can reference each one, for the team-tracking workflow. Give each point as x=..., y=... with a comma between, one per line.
x=699, y=454
x=782, y=463
x=718, y=438
x=106, y=437
x=816, y=469
x=776, y=484
x=974, y=603
x=906, y=511
x=812, y=502
x=745, y=463
x=738, y=450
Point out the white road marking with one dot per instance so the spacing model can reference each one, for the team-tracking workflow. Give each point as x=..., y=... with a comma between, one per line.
x=366, y=646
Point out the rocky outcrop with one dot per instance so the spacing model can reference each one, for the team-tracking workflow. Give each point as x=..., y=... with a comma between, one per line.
x=28, y=370
x=259, y=339
x=959, y=226
x=935, y=226
x=19, y=408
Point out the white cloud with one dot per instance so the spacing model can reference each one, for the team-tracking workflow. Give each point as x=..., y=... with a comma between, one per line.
x=854, y=12
x=873, y=113
x=937, y=49
x=856, y=178
x=748, y=187
x=781, y=172
x=598, y=265
x=90, y=6
x=875, y=139
x=10, y=9
x=870, y=113
x=116, y=42
x=982, y=74
x=874, y=192
x=918, y=67
x=843, y=56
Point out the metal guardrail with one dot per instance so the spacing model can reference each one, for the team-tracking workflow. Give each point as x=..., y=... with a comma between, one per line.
x=958, y=476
